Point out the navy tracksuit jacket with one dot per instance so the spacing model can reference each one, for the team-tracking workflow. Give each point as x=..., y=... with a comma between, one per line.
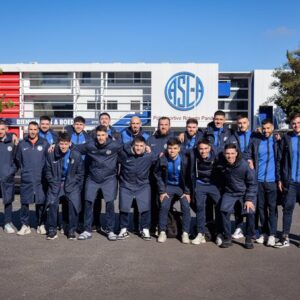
x=31, y=159
x=158, y=142
x=191, y=142
x=73, y=181
x=8, y=169
x=127, y=135
x=50, y=136
x=102, y=168
x=134, y=179
x=218, y=137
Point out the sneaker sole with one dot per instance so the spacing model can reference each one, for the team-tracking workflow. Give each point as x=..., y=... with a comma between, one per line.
x=52, y=238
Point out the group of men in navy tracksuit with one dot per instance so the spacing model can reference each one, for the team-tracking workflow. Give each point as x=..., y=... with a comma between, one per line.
x=240, y=172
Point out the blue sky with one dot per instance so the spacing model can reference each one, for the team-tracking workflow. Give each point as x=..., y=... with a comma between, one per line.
x=239, y=35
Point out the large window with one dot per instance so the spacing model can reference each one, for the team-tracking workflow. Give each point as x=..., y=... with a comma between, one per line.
x=135, y=105
x=112, y=105
x=51, y=80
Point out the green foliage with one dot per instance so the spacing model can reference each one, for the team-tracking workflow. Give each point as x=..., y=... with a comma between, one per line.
x=288, y=84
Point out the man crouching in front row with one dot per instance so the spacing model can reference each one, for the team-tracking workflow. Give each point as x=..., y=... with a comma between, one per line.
x=171, y=174
x=239, y=189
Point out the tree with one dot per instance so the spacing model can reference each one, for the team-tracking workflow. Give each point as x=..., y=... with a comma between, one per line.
x=288, y=84
x=5, y=104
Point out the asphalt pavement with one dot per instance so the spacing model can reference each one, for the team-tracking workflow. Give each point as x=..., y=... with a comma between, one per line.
x=34, y=268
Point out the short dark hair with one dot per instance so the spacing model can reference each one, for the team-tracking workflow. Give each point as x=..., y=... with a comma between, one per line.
x=45, y=118
x=64, y=137
x=104, y=114
x=101, y=128
x=293, y=116
x=230, y=146
x=33, y=123
x=164, y=118
x=204, y=141
x=79, y=119
x=266, y=121
x=173, y=141
x=191, y=121
x=241, y=116
x=139, y=139
x=219, y=113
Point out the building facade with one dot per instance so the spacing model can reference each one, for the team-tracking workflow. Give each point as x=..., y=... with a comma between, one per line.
x=179, y=91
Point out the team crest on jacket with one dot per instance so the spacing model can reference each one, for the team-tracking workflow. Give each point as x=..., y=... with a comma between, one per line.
x=9, y=148
x=108, y=152
x=40, y=148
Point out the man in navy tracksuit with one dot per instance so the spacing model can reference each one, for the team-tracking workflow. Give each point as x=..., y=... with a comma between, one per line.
x=113, y=134
x=239, y=186
x=289, y=184
x=218, y=132
x=105, y=120
x=135, y=129
x=101, y=155
x=204, y=177
x=263, y=151
x=76, y=131
x=46, y=132
x=31, y=158
x=65, y=174
x=158, y=144
x=134, y=184
x=7, y=173
x=191, y=136
x=78, y=137
x=171, y=172
x=241, y=139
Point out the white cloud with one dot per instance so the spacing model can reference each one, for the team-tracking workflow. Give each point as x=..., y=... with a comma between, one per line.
x=280, y=32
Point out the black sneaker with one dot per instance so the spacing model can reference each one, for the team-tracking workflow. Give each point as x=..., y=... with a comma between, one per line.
x=226, y=243
x=52, y=235
x=248, y=243
x=71, y=236
x=282, y=243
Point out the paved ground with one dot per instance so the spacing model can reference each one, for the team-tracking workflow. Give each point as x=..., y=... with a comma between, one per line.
x=33, y=268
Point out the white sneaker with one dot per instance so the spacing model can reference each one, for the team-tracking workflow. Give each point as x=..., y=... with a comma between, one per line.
x=271, y=241
x=162, y=237
x=8, y=228
x=124, y=234
x=185, y=238
x=24, y=230
x=145, y=234
x=111, y=236
x=238, y=234
x=199, y=239
x=219, y=240
x=41, y=230
x=261, y=239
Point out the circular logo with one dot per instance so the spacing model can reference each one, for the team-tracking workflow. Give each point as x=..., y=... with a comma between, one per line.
x=9, y=148
x=39, y=148
x=108, y=152
x=184, y=91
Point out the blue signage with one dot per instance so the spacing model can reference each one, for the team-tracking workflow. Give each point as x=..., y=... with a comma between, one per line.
x=184, y=91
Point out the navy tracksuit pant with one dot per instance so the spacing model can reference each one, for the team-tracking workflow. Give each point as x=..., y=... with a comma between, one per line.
x=202, y=192
x=39, y=211
x=109, y=215
x=267, y=207
x=7, y=213
x=227, y=208
x=174, y=191
x=53, y=216
x=145, y=219
x=291, y=197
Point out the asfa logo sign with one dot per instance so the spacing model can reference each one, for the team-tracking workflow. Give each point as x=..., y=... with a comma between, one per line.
x=184, y=91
